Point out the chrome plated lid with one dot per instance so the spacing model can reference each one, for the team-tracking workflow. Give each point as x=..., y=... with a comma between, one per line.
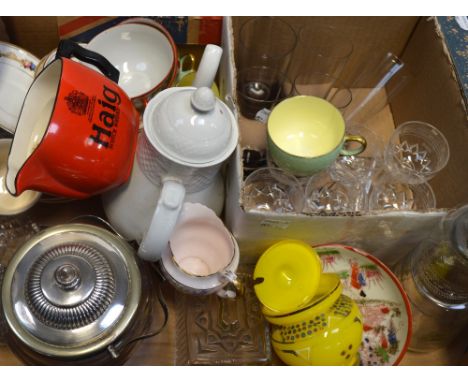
x=71, y=290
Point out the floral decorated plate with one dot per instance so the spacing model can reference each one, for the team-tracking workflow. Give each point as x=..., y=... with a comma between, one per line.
x=381, y=300
x=16, y=76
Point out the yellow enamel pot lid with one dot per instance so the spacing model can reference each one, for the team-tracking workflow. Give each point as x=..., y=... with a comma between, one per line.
x=287, y=276
x=327, y=293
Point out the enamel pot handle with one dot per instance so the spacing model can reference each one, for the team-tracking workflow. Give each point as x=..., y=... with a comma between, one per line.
x=69, y=49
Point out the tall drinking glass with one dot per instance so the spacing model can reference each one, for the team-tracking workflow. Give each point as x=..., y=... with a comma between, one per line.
x=374, y=88
x=322, y=49
x=266, y=41
x=260, y=88
x=323, y=85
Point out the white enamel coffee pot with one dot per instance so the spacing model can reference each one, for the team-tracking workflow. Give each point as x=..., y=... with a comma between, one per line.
x=188, y=134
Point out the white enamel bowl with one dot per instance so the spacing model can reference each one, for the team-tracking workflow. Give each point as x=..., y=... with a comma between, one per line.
x=144, y=54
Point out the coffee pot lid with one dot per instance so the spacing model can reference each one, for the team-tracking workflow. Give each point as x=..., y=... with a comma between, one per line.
x=191, y=126
x=71, y=290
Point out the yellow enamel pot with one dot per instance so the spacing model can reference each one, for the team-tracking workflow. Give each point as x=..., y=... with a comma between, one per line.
x=331, y=338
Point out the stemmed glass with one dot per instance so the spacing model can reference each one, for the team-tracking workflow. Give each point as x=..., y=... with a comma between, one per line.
x=402, y=196
x=416, y=152
x=272, y=190
x=344, y=186
x=357, y=171
x=323, y=195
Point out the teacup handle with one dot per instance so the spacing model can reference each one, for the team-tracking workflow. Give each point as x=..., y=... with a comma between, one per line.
x=187, y=61
x=69, y=48
x=233, y=281
x=163, y=221
x=357, y=150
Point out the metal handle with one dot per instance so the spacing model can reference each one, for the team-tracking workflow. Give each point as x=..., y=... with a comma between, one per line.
x=69, y=48
x=3, y=324
x=100, y=220
x=115, y=348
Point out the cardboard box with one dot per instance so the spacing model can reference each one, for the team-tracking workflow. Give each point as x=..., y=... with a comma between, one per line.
x=183, y=29
x=36, y=34
x=433, y=96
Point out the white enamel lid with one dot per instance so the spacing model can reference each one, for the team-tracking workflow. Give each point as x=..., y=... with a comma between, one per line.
x=191, y=126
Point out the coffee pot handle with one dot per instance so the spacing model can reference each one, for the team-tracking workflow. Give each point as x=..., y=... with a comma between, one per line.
x=163, y=221
x=69, y=48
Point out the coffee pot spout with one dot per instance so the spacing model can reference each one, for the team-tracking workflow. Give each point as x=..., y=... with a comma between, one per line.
x=208, y=67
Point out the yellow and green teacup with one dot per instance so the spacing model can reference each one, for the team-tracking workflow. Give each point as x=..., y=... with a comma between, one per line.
x=306, y=134
x=187, y=73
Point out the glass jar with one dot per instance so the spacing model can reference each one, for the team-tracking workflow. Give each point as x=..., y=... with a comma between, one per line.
x=435, y=278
